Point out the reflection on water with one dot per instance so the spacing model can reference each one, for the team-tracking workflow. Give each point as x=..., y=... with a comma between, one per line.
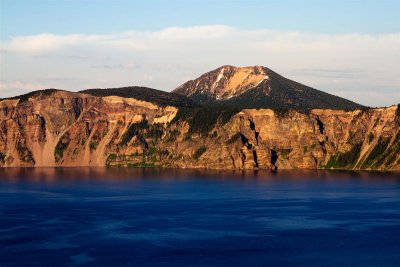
x=82, y=173
x=178, y=217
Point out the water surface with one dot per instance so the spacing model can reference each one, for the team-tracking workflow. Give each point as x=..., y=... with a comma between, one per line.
x=150, y=217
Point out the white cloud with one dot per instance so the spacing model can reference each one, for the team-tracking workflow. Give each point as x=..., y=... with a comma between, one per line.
x=132, y=40
x=171, y=55
x=44, y=43
x=129, y=65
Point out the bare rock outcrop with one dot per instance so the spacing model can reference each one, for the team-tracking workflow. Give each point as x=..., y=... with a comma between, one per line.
x=77, y=129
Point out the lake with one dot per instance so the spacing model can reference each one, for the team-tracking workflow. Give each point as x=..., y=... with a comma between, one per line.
x=169, y=217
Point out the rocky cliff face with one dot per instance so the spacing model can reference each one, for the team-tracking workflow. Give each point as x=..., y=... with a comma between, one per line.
x=225, y=82
x=76, y=129
x=71, y=129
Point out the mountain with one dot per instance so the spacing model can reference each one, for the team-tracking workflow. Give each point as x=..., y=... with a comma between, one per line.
x=159, y=97
x=61, y=128
x=25, y=97
x=232, y=129
x=258, y=87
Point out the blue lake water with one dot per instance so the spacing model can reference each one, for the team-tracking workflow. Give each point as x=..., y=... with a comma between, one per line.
x=151, y=217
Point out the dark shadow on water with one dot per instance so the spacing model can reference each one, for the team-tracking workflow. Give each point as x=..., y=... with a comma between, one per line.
x=51, y=174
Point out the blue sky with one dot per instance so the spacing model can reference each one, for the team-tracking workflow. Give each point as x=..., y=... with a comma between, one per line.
x=80, y=34
x=99, y=16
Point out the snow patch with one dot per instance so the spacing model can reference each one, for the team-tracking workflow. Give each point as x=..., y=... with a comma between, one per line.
x=246, y=77
x=220, y=75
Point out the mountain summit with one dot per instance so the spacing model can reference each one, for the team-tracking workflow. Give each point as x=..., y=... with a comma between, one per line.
x=257, y=87
x=225, y=82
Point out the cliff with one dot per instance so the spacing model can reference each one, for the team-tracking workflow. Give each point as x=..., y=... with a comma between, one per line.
x=76, y=129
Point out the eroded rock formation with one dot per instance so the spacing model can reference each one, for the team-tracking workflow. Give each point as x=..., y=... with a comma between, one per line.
x=76, y=129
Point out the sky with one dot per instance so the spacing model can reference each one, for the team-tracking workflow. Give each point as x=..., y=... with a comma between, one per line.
x=347, y=48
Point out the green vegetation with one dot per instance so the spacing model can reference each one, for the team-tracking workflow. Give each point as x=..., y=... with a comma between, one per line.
x=60, y=147
x=141, y=165
x=97, y=136
x=282, y=113
x=23, y=152
x=158, y=97
x=398, y=111
x=200, y=151
x=187, y=137
x=92, y=146
x=25, y=97
x=2, y=157
x=370, y=137
x=395, y=151
x=110, y=158
x=172, y=135
x=133, y=130
x=155, y=131
x=20, y=148
x=226, y=114
x=345, y=160
x=145, y=159
x=397, y=138
x=76, y=151
x=143, y=130
x=377, y=152
x=233, y=138
x=284, y=152
x=164, y=153
x=151, y=151
x=58, y=153
x=280, y=93
x=390, y=154
x=203, y=119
